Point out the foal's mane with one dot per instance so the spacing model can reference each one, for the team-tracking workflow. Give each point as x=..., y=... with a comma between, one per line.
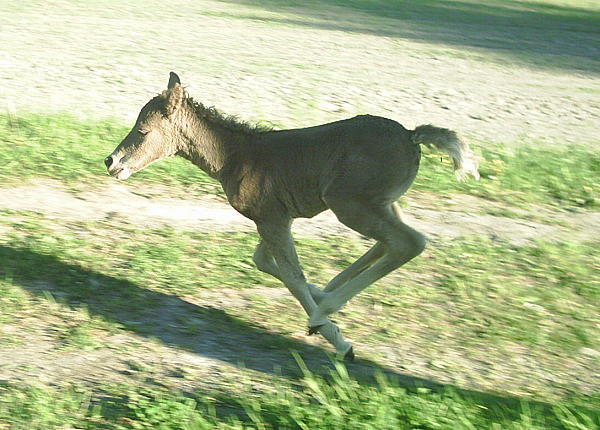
x=215, y=116
x=230, y=122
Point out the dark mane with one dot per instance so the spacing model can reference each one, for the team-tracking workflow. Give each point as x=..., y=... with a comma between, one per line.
x=230, y=122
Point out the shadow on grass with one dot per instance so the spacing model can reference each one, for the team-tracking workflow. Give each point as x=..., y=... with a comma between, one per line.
x=543, y=35
x=160, y=316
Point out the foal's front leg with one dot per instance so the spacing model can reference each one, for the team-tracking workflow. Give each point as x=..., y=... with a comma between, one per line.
x=265, y=262
x=279, y=244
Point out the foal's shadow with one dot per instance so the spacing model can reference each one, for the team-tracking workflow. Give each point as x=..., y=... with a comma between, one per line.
x=204, y=330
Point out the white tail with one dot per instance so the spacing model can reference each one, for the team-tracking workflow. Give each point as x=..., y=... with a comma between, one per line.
x=465, y=161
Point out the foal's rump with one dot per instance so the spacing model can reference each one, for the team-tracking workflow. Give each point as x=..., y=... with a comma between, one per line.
x=378, y=161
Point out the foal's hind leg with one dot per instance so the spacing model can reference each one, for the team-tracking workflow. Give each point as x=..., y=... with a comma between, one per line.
x=355, y=268
x=399, y=242
x=278, y=241
x=370, y=257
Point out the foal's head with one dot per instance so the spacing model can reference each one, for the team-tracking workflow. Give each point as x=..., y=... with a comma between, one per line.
x=157, y=133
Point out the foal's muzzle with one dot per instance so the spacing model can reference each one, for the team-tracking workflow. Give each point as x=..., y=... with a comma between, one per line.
x=117, y=169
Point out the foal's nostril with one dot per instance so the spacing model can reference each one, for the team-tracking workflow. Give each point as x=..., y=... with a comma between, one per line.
x=108, y=161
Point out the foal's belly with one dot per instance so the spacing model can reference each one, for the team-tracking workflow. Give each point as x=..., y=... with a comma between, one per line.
x=271, y=199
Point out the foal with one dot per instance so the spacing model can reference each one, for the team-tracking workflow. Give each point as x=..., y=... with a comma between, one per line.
x=356, y=167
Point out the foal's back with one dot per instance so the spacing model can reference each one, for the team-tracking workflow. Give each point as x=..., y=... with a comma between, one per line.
x=291, y=171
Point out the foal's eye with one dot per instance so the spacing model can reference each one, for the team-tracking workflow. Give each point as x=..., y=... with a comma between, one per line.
x=143, y=131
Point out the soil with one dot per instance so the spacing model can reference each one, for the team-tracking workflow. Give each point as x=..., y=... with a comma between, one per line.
x=142, y=207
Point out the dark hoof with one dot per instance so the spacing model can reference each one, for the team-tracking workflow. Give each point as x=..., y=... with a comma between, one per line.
x=314, y=329
x=349, y=356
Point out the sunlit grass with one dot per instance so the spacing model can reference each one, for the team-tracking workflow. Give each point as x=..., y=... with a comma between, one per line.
x=329, y=403
x=541, y=296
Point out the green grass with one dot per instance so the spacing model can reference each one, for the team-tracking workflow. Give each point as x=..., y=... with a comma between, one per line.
x=63, y=148
x=336, y=402
x=475, y=292
x=527, y=174
x=483, y=291
x=60, y=147
x=86, y=280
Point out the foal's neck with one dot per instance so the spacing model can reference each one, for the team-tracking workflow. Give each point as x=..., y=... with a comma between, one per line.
x=209, y=144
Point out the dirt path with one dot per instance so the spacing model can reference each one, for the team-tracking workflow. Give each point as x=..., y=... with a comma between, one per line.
x=461, y=218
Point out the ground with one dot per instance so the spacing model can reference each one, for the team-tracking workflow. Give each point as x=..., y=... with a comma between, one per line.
x=116, y=206
x=486, y=75
x=146, y=207
x=301, y=66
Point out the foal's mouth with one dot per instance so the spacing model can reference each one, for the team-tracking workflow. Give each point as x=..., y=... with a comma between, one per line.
x=118, y=168
x=121, y=173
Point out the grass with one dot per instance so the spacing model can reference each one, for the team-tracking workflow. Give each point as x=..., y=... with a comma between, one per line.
x=335, y=402
x=483, y=300
x=60, y=147
x=528, y=174
x=63, y=148
x=483, y=291
x=486, y=299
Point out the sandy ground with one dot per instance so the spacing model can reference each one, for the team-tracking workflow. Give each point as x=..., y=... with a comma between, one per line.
x=303, y=67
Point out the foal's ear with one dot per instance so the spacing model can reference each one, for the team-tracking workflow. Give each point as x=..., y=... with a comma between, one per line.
x=173, y=79
x=174, y=94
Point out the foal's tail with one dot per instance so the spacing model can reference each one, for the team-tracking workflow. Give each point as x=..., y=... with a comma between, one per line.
x=465, y=161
